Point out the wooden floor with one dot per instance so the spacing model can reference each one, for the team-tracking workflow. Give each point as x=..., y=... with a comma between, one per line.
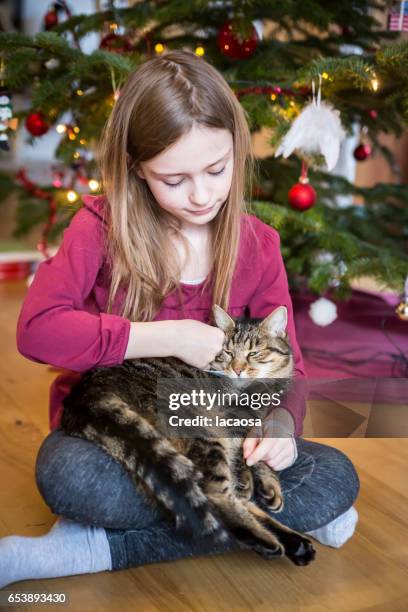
x=369, y=573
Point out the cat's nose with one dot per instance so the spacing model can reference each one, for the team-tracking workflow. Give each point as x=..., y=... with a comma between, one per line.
x=238, y=370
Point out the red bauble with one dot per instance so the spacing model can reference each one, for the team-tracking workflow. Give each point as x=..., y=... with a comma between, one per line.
x=36, y=124
x=116, y=43
x=50, y=19
x=231, y=43
x=362, y=152
x=302, y=196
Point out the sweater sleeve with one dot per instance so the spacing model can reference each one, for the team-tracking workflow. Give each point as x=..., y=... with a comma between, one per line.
x=54, y=325
x=273, y=291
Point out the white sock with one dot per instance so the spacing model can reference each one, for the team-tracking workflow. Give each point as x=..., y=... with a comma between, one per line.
x=69, y=548
x=338, y=531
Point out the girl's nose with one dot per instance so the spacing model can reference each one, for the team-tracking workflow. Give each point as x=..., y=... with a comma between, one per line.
x=200, y=195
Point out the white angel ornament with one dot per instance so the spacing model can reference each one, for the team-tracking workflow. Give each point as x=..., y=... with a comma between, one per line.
x=317, y=129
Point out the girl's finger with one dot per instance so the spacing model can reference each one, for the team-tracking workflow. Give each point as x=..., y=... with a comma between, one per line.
x=249, y=446
x=259, y=453
x=274, y=460
x=282, y=465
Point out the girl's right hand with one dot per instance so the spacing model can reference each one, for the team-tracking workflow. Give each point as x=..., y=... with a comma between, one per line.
x=195, y=342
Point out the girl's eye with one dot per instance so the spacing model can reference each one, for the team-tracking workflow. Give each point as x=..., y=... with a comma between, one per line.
x=252, y=354
x=217, y=173
x=175, y=184
x=178, y=184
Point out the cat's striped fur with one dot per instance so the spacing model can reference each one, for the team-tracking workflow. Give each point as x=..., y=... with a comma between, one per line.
x=203, y=483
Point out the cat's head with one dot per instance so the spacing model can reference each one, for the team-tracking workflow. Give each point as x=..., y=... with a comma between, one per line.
x=254, y=348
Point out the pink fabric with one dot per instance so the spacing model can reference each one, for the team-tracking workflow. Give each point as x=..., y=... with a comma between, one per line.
x=364, y=351
x=63, y=320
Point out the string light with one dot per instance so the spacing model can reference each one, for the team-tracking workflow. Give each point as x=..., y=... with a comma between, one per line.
x=61, y=128
x=159, y=48
x=273, y=97
x=72, y=195
x=199, y=51
x=76, y=129
x=79, y=92
x=374, y=83
x=76, y=155
x=325, y=75
x=93, y=185
x=82, y=141
x=71, y=136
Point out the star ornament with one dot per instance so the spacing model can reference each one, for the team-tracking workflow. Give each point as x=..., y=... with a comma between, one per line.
x=317, y=129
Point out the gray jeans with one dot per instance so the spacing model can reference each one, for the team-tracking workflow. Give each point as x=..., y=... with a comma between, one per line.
x=80, y=481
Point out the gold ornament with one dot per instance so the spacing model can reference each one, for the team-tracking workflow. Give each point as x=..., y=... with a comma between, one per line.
x=402, y=310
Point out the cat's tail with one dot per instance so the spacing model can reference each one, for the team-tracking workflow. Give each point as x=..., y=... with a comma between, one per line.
x=170, y=477
x=174, y=481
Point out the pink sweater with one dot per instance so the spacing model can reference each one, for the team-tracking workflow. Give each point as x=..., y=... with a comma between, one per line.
x=63, y=320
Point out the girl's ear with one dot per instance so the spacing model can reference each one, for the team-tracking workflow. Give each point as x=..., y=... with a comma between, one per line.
x=139, y=173
x=135, y=168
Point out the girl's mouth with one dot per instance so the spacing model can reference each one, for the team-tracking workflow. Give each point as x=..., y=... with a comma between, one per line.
x=204, y=211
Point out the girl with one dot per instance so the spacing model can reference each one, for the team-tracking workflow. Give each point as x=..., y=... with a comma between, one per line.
x=136, y=275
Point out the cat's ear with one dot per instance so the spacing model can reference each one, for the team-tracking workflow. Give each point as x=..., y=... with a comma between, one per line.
x=223, y=320
x=275, y=323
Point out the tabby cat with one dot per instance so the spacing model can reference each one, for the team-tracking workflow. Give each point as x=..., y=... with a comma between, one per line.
x=202, y=482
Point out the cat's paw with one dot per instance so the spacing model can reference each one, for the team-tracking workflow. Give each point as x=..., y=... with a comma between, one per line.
x=267, y=552
x=245, y=486
x=299, y=550
x=270, y=495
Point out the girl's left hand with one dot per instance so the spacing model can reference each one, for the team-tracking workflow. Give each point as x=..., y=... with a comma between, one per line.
x=278, y=453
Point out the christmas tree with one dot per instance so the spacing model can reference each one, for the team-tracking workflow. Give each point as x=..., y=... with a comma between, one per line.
x=272, y=54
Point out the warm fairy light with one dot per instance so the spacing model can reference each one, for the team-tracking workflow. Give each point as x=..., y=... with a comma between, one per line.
x=292, y=103
x=76, y=129
x=79, y=92
x=72, y=195
x=159, y=48
x=325, y=75
x=199, y=51
x=273, y=97
x=374, y=83
x=93, y=185
x=113, y=26
x=61, y=128
x=71, y=136
x=76, y=155
x=116, y=95
x=82, y=141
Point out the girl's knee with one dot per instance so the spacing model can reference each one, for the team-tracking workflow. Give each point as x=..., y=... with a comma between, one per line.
x=79, y=480
x=347, y=474
x=53, y=468
x=335, y=470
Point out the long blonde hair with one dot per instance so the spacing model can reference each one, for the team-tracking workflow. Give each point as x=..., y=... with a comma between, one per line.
x=157, y=105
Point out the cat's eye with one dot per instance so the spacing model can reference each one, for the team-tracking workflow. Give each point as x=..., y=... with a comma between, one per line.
x=252, y=353
x=228, y=353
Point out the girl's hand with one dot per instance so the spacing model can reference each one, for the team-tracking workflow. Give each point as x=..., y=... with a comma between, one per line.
x=195, y=342
x=278, y=453
x=264, y=445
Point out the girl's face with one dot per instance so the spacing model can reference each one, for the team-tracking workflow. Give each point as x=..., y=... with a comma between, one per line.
x=192, y=178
